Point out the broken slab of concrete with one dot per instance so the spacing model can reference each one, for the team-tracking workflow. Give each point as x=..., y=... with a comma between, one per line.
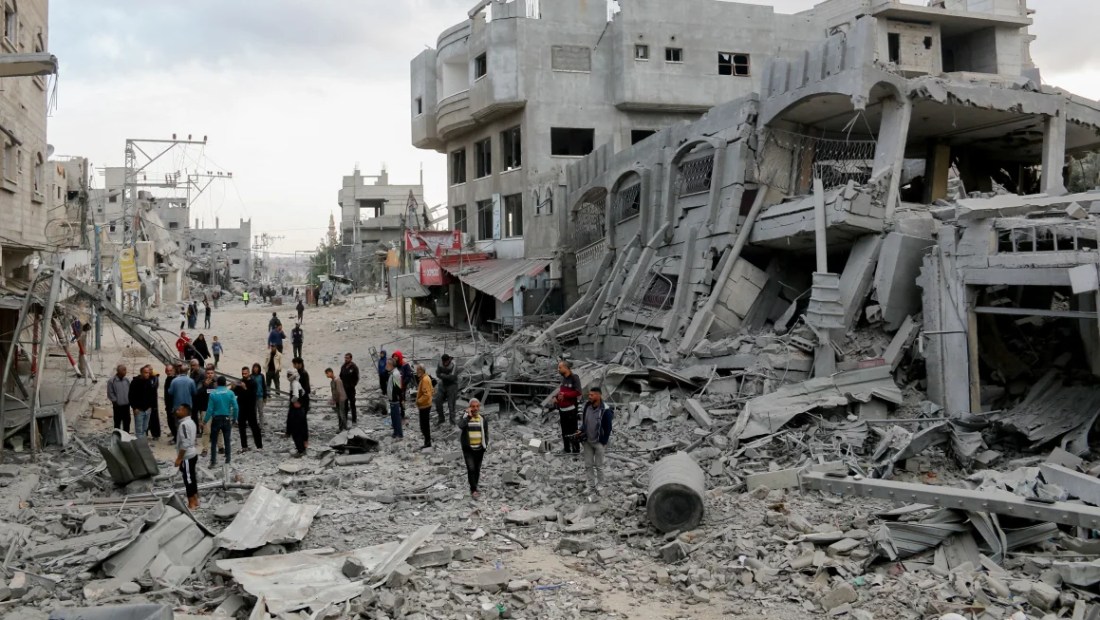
x=788, y=478
x=1082, y=486
x=698, y=413
x=1000, y=502
x=1012, y=205
x=895, y=278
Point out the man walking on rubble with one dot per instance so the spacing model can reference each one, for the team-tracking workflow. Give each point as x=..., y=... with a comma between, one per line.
x=247, y=399
x=296, y=337
x=474, y=439
x=565, y=399
x=221, y=414
x=447, y=374
x=595, y=432
x=118, y=392
x=187, y=454
x=349, y=376
x=339, y=399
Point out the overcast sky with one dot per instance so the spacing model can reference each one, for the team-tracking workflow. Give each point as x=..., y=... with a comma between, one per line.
x=294, y=93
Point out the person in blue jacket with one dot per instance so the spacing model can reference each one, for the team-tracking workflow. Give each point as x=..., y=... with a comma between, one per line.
x=594, y=435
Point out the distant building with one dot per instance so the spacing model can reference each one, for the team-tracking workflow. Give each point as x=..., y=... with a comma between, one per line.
x=23, y=199
x=370, y=220
x=223, y=251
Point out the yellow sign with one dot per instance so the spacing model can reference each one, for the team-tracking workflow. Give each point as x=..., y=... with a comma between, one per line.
x=128, y=270
x=393, y=259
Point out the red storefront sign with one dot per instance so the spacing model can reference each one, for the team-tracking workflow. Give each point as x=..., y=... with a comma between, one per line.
x=431, y=274
x=433, y=242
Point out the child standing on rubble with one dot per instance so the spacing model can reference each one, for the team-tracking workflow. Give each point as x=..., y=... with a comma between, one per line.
x=187, y=454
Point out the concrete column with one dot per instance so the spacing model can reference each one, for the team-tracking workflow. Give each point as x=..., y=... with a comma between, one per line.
x=1054, y=154
x=890, y=151
x=717, y=178
x=936, y=172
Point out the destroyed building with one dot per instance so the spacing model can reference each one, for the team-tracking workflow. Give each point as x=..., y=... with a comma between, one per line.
x=24, y=59
x=371, y=222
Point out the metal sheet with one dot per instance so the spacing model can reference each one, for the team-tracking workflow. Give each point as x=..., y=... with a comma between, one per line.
x=1000, y=502
x=267, y=518
x=304, y=580
x=496, y=277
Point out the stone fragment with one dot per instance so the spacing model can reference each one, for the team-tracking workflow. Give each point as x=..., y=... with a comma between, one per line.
x=575, y=545
x=838, y=596
x=582, y=526
x=673, y=552
x=227, y=511
x=96, y=523
x=353, y=568
x=129, y=587
x=400, y=576
x=1042, y=595
x=843, y=547
x=519, y=585
x=525, y=517
x=436, y=555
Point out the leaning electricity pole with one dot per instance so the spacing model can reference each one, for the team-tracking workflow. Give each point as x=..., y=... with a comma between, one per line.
x=132, y=169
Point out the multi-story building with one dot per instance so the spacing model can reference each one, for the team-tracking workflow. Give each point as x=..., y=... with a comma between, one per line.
x=23, y=152
x=370, y=220
x=523, y=91
x=225, y=252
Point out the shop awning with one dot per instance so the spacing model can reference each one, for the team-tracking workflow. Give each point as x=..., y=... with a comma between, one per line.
x=496, y=277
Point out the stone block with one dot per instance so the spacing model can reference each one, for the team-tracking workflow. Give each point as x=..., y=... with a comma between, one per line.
x=838, y=596
x=436, y=555
x=843, y=547
x=1042, y=595
x=353, y=568
x=673, y=552
x=575, y=545
x=788, y=478
x=400, y=576
x=698, y=413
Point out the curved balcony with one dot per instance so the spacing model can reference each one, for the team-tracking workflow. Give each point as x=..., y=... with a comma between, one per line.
x=453, y=115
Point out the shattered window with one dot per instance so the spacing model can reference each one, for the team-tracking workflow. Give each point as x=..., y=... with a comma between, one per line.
x=733, y=64
x=460, y=219
x=590, y=221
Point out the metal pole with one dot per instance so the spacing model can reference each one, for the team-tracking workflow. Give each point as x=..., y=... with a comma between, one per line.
x=40, y=353
x=98, y=285
x=12, y=354
x=401, y=271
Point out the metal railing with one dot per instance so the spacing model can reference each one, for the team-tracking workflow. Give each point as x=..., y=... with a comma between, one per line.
x=790, y=161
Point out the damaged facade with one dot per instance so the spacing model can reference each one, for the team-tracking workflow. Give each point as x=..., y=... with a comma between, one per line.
x=707, y=230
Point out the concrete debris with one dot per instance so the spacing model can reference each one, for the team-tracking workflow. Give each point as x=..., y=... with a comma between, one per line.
x=115, y=612
x=128, y=458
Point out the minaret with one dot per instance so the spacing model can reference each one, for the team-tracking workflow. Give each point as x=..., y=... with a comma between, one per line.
x=331, y=229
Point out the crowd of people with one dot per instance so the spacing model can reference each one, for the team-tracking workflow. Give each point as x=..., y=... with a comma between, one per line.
x=197, y=401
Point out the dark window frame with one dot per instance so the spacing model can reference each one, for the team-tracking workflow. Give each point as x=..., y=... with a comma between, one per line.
x=481, y=65
x=483, y=158
x=511, y=215
x=458, y=173
x=674, y=54
x=641, y=51
x=461, y=218
x=485, y=220
x=735, y=64
x=511, y=149
x=569, y=142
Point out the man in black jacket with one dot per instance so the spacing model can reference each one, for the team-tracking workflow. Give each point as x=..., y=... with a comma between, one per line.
x=296, y=339
x=303, y=378
x=143, y=398
x=349, y=376
x=447, y=374
x=246, y=405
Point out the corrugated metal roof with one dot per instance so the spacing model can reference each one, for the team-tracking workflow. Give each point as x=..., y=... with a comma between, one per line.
x=267, y=517
x=497, y=277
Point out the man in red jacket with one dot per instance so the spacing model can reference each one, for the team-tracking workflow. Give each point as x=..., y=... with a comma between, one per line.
x=569, y=393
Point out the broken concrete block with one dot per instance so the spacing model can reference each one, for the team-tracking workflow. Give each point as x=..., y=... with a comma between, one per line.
x=353, y=568
x=583, y=526
x=838, y=596
x=490, y=581
x=575, y=545
x=895, y=280
x=519, y=585
x=526, y=517
x=21, y=583
x=227, y=511
x=1076, y=211
x=1042, y=595
x=1058, y=456
x=788, y=478
x=400, y=576
x=673, y=552
x=538, y=445
x=843, y=547
x=346, y=460
x=698, y=413
x=606, y=556
x=431, y=556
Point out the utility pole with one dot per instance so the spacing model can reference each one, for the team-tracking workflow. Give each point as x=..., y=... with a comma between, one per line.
x=98, y=283
x=400, y=272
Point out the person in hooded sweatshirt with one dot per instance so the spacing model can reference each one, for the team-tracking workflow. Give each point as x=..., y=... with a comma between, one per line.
x=383, y=374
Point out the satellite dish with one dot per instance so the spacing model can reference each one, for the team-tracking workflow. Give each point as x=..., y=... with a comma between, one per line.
x=49, y=150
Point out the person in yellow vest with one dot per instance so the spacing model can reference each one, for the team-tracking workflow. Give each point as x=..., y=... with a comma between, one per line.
x=424, y=396
x=475, y=443
x=244, y=298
